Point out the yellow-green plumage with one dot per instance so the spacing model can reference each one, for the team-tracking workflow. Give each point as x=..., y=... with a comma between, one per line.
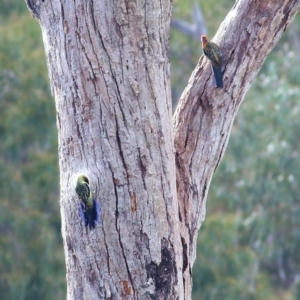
x=89, y=208
x=83, y=191
x=214, y=54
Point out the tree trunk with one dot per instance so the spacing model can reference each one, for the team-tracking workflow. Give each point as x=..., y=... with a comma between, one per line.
x=109, y=70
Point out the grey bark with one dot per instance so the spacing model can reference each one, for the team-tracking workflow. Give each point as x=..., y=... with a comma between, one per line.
x=204, y=116
x=109, y=71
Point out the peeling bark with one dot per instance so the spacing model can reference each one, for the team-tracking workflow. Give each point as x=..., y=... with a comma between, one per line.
x=109, y=72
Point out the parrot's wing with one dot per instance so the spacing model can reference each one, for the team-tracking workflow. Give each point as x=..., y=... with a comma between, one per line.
x=90, y=216
x=82, y=213
x=217, y=57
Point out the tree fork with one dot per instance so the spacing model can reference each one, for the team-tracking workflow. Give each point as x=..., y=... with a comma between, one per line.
x=108, y=65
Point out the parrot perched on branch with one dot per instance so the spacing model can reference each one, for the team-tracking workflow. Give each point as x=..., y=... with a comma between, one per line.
x=89, y=208
x=214, y=54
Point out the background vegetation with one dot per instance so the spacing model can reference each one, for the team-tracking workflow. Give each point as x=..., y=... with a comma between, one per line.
x=248, y=247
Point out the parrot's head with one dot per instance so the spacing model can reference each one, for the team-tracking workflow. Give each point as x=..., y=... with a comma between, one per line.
x=83, y=179
x=204, y=40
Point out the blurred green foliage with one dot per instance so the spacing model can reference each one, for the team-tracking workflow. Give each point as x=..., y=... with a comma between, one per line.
x=257, y=183
x=248, y=246
x=32, y=260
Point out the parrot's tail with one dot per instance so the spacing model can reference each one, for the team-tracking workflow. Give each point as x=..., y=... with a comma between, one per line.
x=218, y=76
x=90, y=216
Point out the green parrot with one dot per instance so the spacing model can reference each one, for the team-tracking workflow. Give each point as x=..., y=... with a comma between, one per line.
x=214, y=54
x=89, y=209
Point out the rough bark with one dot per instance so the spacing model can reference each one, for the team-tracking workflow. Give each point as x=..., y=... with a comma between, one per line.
x=204, y=115
x=109, y=71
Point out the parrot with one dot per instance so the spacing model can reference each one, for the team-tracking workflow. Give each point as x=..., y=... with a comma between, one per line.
x=89, y=208
x=214, y=55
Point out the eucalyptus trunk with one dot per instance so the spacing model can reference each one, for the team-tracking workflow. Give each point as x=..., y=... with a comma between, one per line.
x=109, y=70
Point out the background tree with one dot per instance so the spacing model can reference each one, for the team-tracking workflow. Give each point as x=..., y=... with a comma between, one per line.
x=254, y=100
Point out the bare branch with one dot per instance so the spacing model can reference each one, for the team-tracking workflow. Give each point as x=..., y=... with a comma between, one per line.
x=196, y=29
